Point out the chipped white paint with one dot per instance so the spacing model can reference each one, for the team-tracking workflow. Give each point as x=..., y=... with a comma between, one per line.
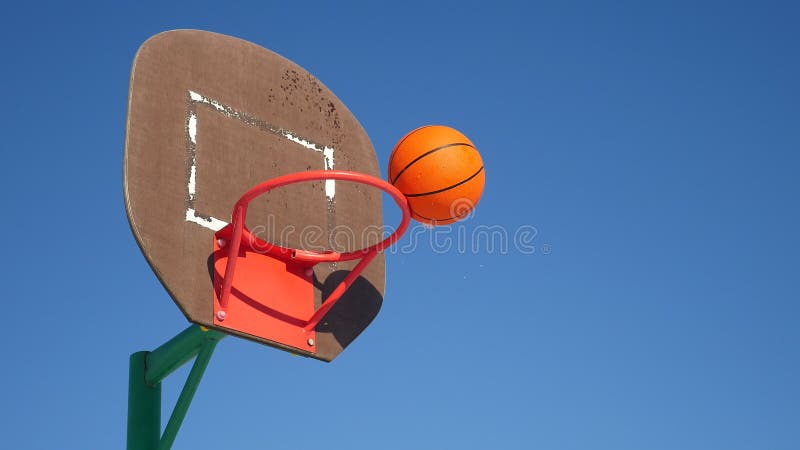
x=298, y=140
x=211, y=223
x=192, y=188
x=219, y=106
x=330, y=185
x=327, y=154
x=191, y=130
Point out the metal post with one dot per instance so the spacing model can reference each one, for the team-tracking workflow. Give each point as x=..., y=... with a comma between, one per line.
x=177, y=351
x=144, y=407
x=147, y=369
x=185, y=399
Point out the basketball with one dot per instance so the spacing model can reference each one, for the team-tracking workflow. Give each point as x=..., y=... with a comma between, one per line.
x=440, y=172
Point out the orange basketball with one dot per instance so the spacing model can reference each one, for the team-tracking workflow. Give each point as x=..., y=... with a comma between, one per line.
x=439, y=171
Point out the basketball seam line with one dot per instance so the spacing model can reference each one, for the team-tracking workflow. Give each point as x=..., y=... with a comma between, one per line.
x=428, y=153
x=448, y=187
x=394, y=150
x=434, y=219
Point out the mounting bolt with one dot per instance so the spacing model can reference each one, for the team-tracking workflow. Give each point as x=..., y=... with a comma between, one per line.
x=221, y=242
x=221, y=315
x=310, y=342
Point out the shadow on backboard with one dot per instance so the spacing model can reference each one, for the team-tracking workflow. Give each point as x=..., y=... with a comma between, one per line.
x=354, y=311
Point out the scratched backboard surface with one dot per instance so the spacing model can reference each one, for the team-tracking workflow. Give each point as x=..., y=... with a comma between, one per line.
x=210, y=116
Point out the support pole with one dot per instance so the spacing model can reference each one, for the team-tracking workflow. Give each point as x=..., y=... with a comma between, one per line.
x=185, y=399
x=144, y=407
x=148, y=369
x=177, y=351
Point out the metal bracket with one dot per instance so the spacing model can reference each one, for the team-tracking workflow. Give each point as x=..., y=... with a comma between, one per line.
x=148, y=369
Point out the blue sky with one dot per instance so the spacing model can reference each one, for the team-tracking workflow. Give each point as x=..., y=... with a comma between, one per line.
x=653, y=148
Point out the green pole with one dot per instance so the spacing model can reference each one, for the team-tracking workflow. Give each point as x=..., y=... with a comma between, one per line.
x=144, y=407
x=148, y=369
x=177, y=351
x=185, y=399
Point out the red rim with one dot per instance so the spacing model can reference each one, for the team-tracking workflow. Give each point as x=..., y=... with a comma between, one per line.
x=239, y=231
x=240, y=212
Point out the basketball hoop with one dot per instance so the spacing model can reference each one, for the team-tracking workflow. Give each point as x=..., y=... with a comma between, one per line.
x=288, y=268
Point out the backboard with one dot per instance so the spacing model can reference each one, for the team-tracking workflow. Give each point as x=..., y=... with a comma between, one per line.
x=210, y=116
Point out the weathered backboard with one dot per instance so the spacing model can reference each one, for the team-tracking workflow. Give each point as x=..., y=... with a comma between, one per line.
x=210, y=116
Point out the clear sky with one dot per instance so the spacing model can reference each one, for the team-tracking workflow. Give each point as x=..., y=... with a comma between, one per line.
x=653, y=147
